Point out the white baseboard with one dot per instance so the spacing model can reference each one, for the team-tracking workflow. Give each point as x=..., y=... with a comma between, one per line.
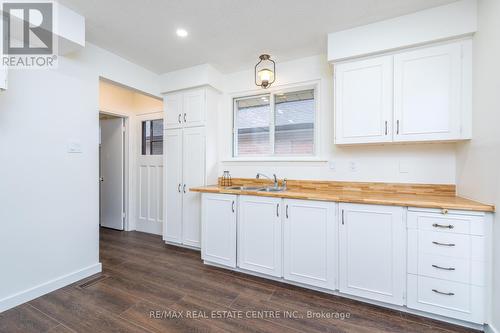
x=490, y=329
x=47, y=287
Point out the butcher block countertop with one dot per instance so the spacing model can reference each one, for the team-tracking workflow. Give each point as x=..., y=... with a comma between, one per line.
x=406, y=195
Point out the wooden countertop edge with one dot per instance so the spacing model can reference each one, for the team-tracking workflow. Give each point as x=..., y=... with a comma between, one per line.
x=420, y=201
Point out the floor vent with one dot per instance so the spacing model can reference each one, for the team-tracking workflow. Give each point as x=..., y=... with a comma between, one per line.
x=93, y=281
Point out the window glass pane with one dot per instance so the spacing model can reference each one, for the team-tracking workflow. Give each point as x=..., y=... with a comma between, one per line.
x=294, y=123
x=152, y=137
x=252, y=124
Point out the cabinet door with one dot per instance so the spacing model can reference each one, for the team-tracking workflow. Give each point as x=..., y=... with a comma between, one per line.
x=259, y=235
x=172, y=105
x=173, y=185
x=363, y=101
x=193, y=174
x=427, y=93
x=219, y=229
x=372, y=252
x=194, y=108
x=3, y=78
x=309, y=242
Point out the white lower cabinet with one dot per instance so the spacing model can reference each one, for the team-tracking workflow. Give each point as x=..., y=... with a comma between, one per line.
x=310, y=242
x=372, y=253
x=260, y=234
x=219, y=229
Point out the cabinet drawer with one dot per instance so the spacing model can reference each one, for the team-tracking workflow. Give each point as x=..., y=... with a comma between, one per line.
x=446, y=223
x=444, y=244
x=446, y=268
x=451, y=299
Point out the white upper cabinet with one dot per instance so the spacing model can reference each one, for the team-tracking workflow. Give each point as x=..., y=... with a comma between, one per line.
x=363, y=101
x=260, y=234
x=185, y=108
x=422, y=94
x=372, y=253
x=427, y=93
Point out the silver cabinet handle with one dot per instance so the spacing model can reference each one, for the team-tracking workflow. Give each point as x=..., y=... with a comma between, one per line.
x=179, y=188
x=185, y=117
x=286, y=211
x=232, y=207
x=443, y=244
x=444, y=268
x=386, y=132
x=441, y=293
x=343, y=217
x=184, y=188
x=397, y=127
x=278, y=210
x=449, y=226
x=179, y=118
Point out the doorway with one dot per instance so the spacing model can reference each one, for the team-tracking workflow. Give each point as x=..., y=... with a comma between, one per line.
x=112, y=178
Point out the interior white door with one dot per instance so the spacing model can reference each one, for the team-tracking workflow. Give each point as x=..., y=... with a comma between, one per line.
x=150, y=177
x=112, y=171
x=427, y=93
x=193, y=175
x=219, y=229
x=363, y=101
x=260, y=235
x=173, y=185
x=194, y=108
x=372, y=252
x=310, y=242
x=172, y=105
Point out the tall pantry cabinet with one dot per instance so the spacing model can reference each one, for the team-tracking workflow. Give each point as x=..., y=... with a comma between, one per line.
x=190, y=160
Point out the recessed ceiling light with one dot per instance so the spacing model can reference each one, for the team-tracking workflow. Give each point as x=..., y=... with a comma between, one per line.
x=181, y=32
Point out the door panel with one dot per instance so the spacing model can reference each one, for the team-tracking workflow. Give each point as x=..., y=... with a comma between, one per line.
x=193, y=175
x=112, y=173
x=173, y=110
x=173, y=183
x=260, y=234
x=427, y=93
x=194, y=108
x=309, y=242
x=363, y=108
x=219, y=229
x=373, y=252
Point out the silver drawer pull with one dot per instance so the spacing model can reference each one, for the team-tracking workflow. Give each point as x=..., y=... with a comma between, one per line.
x=442, y=244
x=444, y=268
x=441, y=293
x=449, y=226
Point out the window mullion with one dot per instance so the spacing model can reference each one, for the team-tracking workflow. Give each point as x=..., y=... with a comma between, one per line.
x=272, y=124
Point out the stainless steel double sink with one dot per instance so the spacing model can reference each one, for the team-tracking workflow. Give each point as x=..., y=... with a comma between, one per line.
x=257, y=189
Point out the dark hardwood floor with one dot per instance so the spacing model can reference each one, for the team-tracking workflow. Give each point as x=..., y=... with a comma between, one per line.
x=146, y=284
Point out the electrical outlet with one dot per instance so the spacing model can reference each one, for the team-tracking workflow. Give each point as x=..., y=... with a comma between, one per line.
x=353, y=166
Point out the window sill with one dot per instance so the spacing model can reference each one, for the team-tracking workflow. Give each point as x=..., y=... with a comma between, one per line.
x=274, y=159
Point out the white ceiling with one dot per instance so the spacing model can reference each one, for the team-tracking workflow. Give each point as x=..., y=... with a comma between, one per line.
x=229, y=34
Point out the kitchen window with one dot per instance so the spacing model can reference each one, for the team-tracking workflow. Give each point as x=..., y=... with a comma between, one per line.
x=152, y=137
x=278, y=124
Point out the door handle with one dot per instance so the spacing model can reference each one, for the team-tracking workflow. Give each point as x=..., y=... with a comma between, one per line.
x=286, y=211
x=184, y=189
x=442, y=293
x=278, y=210
x=443, y=244
x=449, y=226
x=179, y=118
x=444, y=268
x=185, y=117
x=179, y=188
x=232, y=207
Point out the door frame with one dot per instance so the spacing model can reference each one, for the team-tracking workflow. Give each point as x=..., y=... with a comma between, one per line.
x=126, y=167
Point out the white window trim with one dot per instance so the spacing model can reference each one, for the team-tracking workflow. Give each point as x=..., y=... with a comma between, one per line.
x=271, y=92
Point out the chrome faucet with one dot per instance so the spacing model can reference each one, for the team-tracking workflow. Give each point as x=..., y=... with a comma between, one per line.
x=259, y=175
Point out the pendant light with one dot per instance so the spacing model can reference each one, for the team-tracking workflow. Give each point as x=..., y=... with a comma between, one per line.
x=265, y=71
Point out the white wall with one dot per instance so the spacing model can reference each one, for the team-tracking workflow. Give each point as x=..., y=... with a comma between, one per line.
x=478, y=162
x=48, y=197
x=419, y=163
